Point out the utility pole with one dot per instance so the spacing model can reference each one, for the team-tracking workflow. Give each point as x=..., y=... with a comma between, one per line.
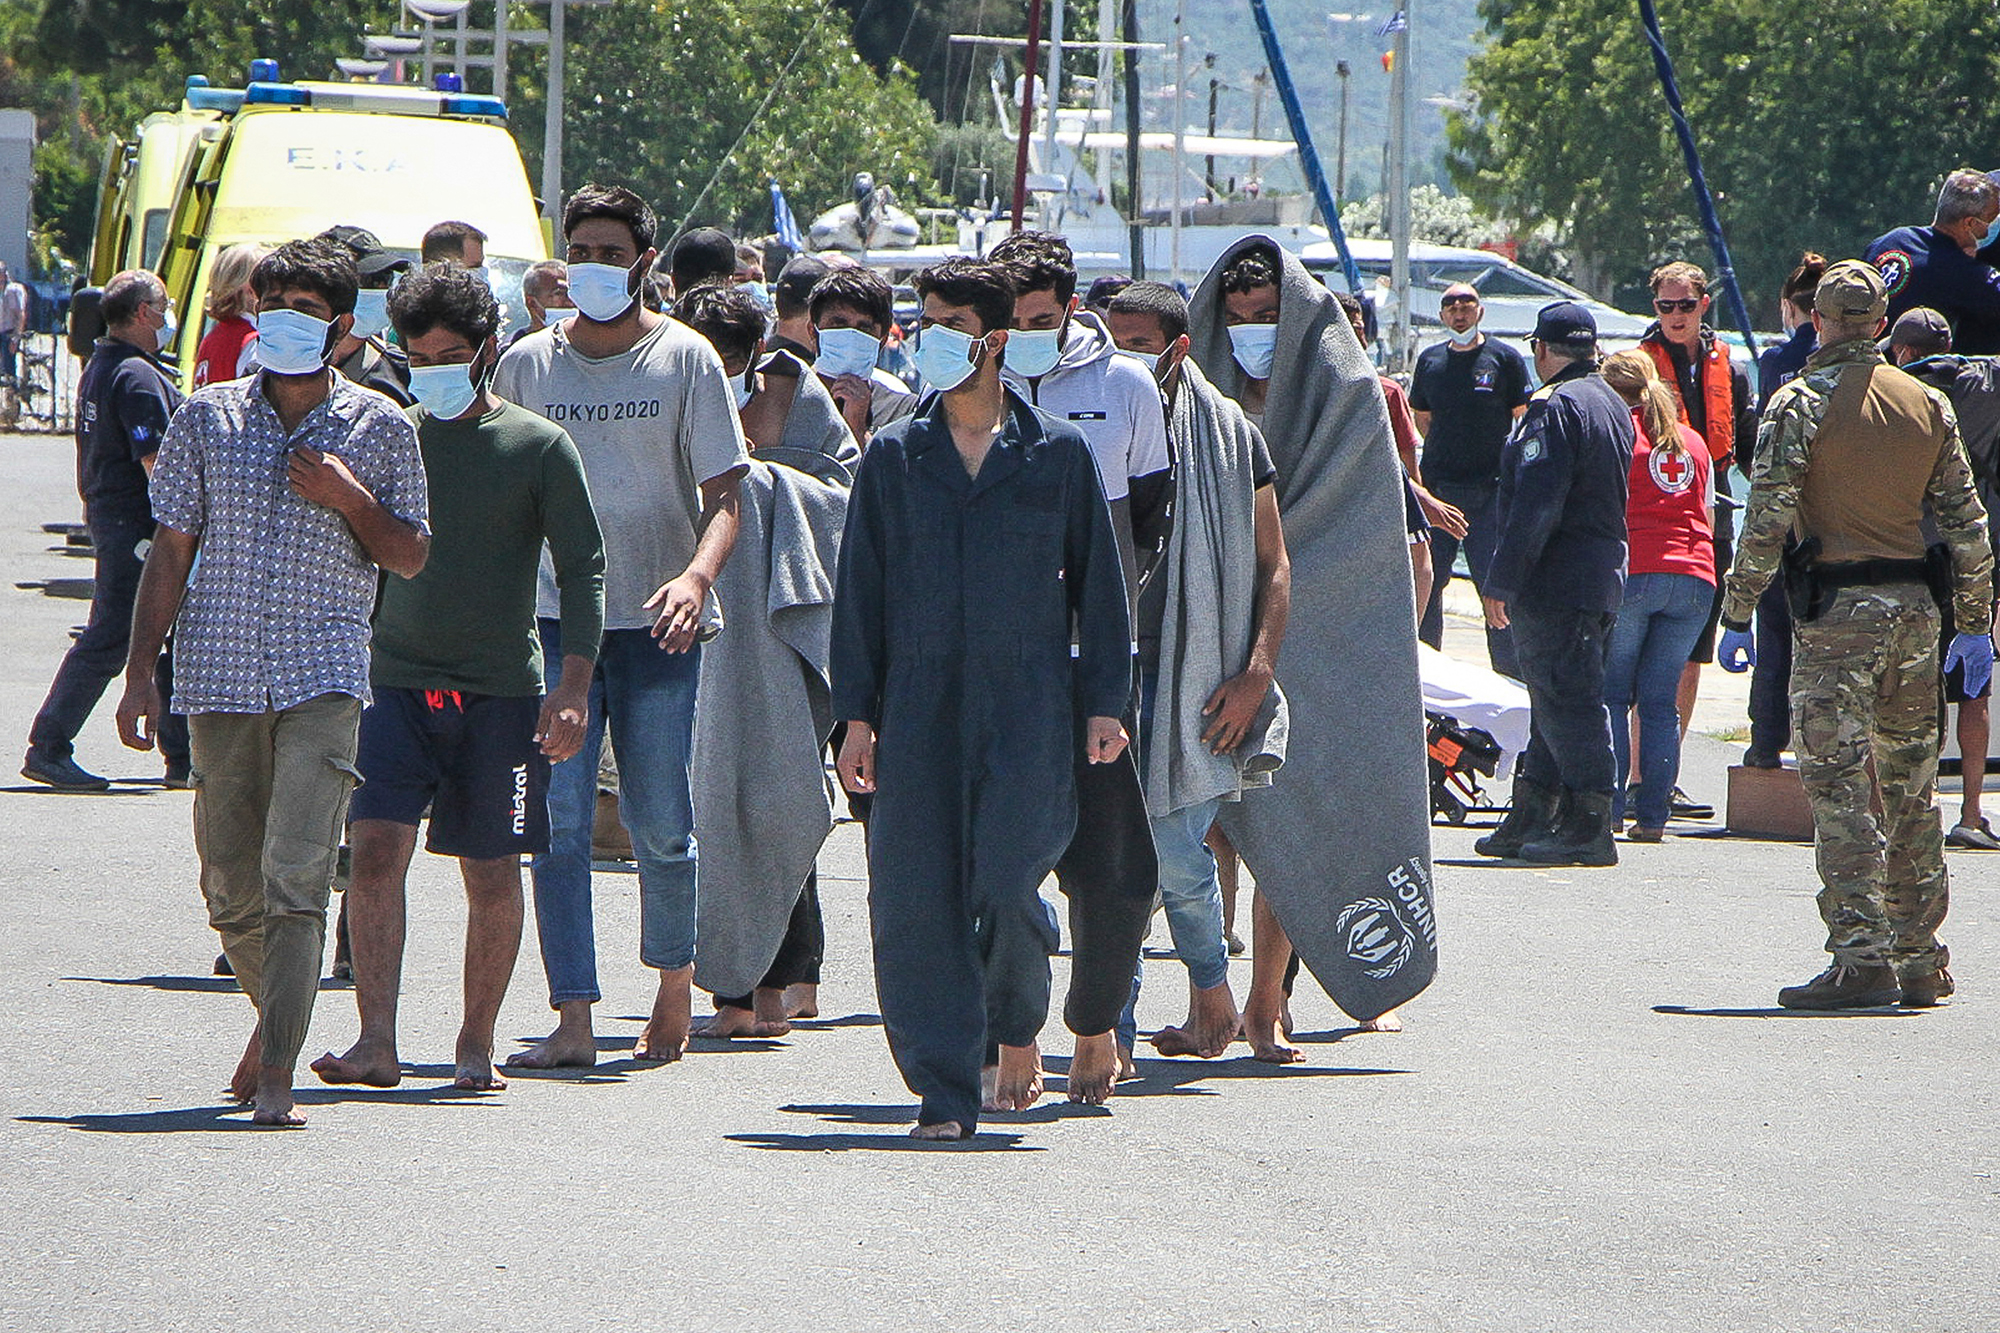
x=1180, y=125
x=1054, y=89
x=1399, y=187
x=1135, y=180
x=1214, y=84
x=1343, y=69
x=1027, y=126
x=1258, y=82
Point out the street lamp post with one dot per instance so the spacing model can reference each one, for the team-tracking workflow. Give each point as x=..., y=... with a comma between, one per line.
x=1343, y=69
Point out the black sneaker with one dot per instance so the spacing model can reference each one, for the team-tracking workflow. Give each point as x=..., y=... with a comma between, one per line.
x=1755, y=758
x=1683, y=806
x=1846, y=986
x=222, y=967
x=64, y=774
x=179, y=777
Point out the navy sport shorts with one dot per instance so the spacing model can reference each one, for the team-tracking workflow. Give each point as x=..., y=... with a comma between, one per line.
x=472, y=758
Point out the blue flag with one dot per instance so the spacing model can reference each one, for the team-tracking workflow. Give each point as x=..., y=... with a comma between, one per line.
x=783, y=223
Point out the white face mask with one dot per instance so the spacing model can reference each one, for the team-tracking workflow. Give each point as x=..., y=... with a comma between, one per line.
x=1256, y=347
x=290, y=342
x=1465, y=339
x=944, y=357
x=846, y=352
x=1033, y=353
x=743, y=388
x=445, y=391
x=602, y=292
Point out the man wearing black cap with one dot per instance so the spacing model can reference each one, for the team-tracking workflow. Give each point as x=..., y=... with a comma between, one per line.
x=1920, y=344
x=791, y=300
x=703, y=255
x=1556, y=579
x=363, y=356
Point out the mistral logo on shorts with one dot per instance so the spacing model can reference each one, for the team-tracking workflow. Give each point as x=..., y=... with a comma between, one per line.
x=520, y=800
x=1382, y=931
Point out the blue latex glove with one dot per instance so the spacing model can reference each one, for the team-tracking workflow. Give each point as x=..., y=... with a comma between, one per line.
x=1737, y=650
x=1974, y=652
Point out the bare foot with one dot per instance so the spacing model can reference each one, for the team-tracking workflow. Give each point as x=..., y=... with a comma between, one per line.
x=275, y=1108
x=1127, y=1069
x=1213, y=1020
x=664, y=1039
x=1389, y=1022
x=949, y=1131
x=1020, y=1085
x=1268, y=1040
x=571, y=1046
x=475, y=1068
x=1175, y=1041
x=726, y=1022
x=772, y=1015
x=802, y=1000
x=989, y=1089
x=243, y=1083
x=368, y=1062
x=1093, y=1070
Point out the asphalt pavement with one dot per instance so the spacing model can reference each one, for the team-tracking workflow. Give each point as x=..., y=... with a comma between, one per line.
x=1597, y=1119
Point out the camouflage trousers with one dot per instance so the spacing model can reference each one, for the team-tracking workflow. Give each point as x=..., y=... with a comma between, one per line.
x=1865, y=686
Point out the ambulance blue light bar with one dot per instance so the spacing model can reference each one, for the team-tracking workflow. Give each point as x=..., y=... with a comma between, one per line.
x=201, y=97
x=389, y=98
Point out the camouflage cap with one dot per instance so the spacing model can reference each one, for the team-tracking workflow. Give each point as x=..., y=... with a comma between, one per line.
x=1852, y=292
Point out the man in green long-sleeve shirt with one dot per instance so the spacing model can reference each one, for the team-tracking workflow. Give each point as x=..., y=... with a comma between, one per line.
x=459, y=723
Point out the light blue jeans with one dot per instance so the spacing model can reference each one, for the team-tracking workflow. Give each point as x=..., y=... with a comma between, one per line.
x=647, y=698
x=1658, y=622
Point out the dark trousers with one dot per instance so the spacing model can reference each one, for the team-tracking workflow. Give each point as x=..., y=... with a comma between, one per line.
x=1477, y=501
x=1562, y=651
x=799, y=954
x=1771, y=678
x=98, y=655
x=1109, y=875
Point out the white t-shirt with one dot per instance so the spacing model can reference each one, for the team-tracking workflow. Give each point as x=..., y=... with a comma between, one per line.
x=652, y=424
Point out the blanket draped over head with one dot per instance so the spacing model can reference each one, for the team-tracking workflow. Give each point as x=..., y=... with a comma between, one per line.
x=1340, y=842
x=762, y=805
x=1211, y=591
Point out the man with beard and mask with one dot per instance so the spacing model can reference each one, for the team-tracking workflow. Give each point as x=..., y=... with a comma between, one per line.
x=1213, y=598
x=650, y=410
x=124, y=402
x=1064, y=362
x=364, y=355
x=271, y=643
x=1266, y=333
x=977, y=536
x=459, y=726
x=1713, y=396
x=1466, y=395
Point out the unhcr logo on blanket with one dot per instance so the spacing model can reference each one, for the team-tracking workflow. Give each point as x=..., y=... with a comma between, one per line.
x=1382, y=932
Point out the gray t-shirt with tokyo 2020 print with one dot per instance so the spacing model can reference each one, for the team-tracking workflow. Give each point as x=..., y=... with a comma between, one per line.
x=652, y=424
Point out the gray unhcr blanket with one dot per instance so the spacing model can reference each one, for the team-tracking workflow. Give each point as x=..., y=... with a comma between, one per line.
x=1341, y=843
x=1211, y=588
x=762, y=804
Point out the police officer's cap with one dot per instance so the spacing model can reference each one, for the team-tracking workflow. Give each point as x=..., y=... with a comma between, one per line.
x=1852, y=292
x=1566, y=323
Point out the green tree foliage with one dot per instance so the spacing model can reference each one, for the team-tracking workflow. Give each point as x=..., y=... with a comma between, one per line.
x=1822, y=124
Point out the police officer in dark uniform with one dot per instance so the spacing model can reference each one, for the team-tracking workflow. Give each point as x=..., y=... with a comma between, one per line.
x=1557, y=577
x=1937, y=266
x=124, y=401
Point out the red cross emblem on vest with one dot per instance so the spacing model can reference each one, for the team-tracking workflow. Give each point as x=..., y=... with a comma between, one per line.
x=1672, y=472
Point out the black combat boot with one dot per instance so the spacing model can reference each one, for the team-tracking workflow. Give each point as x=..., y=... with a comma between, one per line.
x=1533, y=811
x=1582, y=837
x=1845, y=986
x=1926, y=980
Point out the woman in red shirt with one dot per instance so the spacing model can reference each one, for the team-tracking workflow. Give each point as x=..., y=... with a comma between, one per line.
x=225, y=351
x=1669, y=586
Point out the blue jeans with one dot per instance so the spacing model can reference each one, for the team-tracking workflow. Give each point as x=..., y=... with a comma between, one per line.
x=1658, y=623
x=646, y=696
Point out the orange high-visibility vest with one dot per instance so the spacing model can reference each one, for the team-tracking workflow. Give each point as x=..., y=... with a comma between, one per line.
x=1717, y=393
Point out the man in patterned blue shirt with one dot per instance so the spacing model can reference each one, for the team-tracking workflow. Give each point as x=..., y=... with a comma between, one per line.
x=295, y=486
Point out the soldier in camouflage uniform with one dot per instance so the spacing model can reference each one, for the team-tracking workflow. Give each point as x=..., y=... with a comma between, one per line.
x=1850, y=455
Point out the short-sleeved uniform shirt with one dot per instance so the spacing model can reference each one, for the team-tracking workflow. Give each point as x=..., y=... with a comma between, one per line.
x=123, y=404
x=278, y=606
x=651, y=424
x=1471, y=397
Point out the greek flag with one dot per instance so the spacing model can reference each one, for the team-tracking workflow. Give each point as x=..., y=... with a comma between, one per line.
x=782, y=221
x=1397, y=22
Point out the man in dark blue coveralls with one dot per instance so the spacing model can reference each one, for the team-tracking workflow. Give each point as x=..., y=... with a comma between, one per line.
x=1938, y=266
x=977, y=534
x=1557, y=577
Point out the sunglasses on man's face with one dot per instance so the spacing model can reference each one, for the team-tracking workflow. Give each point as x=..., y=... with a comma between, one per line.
x=1687, y=307
x=1451, y=301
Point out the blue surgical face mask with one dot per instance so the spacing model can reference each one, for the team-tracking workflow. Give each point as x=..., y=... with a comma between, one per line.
x=1150, y=360
x=1033, y=353
x=168, y=328
x=602, y=292
x=1992, y=233
x=944, y=357
x=846, y=352
x=1255, y=346
x=758, y=290
x=445, y=391
x=371, y=311
x=290, y=342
